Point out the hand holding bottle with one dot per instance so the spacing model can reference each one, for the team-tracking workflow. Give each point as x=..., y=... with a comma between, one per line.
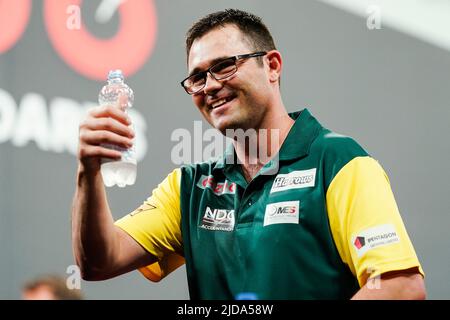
x=105, y=125
x=122, y=171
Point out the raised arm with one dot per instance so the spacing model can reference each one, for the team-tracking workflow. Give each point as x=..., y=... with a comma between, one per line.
x=101, y=249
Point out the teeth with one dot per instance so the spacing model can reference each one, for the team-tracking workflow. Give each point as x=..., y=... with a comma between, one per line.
x=218, y=103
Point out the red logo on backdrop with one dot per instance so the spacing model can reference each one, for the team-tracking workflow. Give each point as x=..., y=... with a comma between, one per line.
x=14, y=17
x=92, y=57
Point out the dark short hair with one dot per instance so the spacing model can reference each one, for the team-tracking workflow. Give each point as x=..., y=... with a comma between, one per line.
x=57, y=286
x=251, y=26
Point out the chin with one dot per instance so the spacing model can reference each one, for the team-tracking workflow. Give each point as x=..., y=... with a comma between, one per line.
x=221, y=124
x=230, y=120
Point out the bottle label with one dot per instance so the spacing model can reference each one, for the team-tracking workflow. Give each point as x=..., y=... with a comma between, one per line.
x=128, y=155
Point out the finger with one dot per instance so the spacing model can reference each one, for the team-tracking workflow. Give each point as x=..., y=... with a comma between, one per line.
x=89, y=151
x=112, y=112
x=98, y=137
x=107, y=124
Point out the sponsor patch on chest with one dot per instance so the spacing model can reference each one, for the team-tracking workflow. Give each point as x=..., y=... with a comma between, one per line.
x=294, y=180
x=219, y=188
x=282, y=212
x=218, y=220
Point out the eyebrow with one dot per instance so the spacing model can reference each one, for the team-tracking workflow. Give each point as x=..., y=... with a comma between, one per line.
x=213, y=62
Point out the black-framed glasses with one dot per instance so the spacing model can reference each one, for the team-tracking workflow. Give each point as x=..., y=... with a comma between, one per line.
x=219, y=71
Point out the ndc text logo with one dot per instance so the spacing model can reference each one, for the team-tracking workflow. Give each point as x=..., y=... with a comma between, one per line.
x=218, y=220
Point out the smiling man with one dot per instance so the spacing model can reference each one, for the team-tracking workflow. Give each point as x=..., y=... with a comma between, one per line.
x=315, y=219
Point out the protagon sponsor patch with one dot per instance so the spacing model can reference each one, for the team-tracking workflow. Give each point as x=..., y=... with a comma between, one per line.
x=374, y=237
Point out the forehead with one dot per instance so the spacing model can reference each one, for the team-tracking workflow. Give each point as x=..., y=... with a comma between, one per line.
x=221, y=42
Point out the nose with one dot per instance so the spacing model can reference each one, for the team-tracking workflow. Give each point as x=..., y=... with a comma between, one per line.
x=212, y=85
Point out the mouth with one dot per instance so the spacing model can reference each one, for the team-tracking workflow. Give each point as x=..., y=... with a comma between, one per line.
x=221, y=102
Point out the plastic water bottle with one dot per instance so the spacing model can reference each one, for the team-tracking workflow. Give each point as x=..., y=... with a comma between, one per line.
x=121, y=172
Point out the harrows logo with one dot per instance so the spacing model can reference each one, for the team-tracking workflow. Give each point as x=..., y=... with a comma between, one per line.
x=294, y=180
x=218, y=220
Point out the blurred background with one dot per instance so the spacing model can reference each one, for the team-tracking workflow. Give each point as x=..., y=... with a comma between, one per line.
x=378, y=71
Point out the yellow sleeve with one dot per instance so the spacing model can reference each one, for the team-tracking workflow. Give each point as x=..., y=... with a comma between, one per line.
x=156, y=226
x=365, y=222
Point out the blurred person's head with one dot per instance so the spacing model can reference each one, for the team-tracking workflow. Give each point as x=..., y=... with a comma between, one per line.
x=49, y=288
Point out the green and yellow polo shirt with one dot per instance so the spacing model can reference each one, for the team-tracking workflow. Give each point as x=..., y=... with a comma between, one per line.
x=315, y=225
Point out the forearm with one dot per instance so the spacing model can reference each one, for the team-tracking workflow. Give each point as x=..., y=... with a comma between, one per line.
x=93, y=231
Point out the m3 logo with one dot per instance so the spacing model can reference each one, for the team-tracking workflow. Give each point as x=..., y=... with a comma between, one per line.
x=282, y=212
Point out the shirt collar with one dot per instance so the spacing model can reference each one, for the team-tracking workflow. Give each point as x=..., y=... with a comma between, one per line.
x=301, y=135
x=296, y=144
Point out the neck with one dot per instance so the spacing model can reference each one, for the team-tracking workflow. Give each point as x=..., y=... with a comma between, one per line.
x=258, y=146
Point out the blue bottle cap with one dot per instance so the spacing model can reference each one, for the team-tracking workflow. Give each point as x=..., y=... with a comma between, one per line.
x=115, y=74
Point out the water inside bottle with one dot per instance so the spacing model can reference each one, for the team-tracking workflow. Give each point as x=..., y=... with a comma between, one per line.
x=120, y=173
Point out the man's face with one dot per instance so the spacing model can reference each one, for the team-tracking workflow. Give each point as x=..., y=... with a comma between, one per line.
x=239, y=101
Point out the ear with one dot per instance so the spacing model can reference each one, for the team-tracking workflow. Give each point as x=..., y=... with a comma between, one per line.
x=275, y=63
